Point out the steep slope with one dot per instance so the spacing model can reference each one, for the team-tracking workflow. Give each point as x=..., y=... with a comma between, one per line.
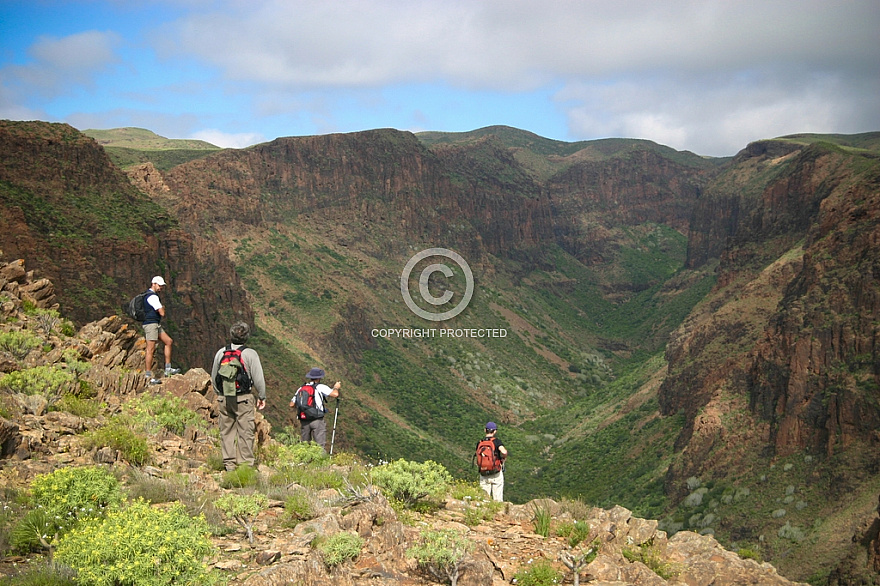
x=67, y=207
x=780, y=365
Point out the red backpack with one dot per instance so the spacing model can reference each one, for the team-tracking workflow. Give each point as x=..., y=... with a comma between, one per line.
x=486, y=458
x=306, y=406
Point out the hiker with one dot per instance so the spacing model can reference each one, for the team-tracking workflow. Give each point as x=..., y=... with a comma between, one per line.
x=237, y=428
x=153, y=332
x=311, y=408
x=490, y=456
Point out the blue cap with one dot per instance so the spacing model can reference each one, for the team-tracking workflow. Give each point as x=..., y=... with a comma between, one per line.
x=315, y=373
x=491, y=425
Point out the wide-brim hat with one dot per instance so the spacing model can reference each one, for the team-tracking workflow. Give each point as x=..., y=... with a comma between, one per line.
x=315, y=373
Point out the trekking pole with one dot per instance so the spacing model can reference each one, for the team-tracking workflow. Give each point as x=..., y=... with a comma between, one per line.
x=333, y=436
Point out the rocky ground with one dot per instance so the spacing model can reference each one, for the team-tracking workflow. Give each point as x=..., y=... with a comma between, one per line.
x=37, y=440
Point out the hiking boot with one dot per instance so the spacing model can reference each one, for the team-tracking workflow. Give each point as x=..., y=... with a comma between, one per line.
x=155, y=381
x=170, y=371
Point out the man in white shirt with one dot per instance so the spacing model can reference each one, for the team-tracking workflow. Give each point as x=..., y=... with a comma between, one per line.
x=154, y=311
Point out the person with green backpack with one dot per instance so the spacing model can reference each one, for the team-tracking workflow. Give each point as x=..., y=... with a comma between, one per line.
x=236, y=375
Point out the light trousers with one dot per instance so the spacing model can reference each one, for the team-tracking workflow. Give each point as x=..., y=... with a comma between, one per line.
x=493, y=484
x=237, y=432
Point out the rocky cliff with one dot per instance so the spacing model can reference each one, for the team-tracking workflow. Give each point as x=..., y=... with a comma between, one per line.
x=67, y=207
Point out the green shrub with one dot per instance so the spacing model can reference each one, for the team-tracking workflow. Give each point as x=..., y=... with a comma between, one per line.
x=139, y=545
x=649, y=555
x=464, y=490
x=19, y=343
x=294, y=454
x=243, y=509
x=39, y=380
x=153, y=413
x=243, y=476
x=441, y=553
x=574, y=533
x=538, y=574
x=78, y=406
x=67, y=328
x=340, y=548
x=76, y=493
x=119, y=435
x=749, y=553
x=300, y=506
x=411, y=482
x=313, y=477
x=475, y=512
x=288, y=435
x=61, y=499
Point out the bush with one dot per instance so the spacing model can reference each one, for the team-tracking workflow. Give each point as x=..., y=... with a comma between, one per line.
x=574, y=533
x=538, y=574
x=153, y=413
x=78, y=406
x=300, y=506
x=243, y=476
x=39, y=380
x=441, y=553
x=61, y=499
x=411, y=482
x=649, y=555
x=139, y=545
x=19, y=344
x=76, y=493
x=243, y=508
x=479, y=511
x=340, y=548
x=316, y=478
x=118, y=435
x=279, y=455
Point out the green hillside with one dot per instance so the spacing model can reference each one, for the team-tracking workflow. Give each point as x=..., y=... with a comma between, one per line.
x=133, y=146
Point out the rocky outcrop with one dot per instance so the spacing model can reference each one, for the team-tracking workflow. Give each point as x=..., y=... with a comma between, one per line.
x=798, y=335
x=71, y=212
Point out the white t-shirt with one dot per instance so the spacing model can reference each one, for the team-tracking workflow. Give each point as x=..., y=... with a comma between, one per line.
x=321, y=393
x=154, y=302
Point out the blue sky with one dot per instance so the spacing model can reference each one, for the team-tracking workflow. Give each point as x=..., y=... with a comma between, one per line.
x=703, y=76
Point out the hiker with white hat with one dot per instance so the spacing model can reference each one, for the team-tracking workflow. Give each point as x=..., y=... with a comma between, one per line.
x=154, y=311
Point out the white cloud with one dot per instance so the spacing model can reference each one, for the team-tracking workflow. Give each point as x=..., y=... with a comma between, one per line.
x=517, y=44
x=715, y=117
x=59, y=64
x=227, y=140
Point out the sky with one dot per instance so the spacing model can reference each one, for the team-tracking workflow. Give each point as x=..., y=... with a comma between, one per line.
x=704, y=76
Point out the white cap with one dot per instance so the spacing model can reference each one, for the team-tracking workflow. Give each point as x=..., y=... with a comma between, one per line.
x=159, y=281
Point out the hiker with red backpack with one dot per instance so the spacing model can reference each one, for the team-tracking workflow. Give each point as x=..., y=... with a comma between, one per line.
x=236, y=375
x=310, y=402
x=489, y=458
